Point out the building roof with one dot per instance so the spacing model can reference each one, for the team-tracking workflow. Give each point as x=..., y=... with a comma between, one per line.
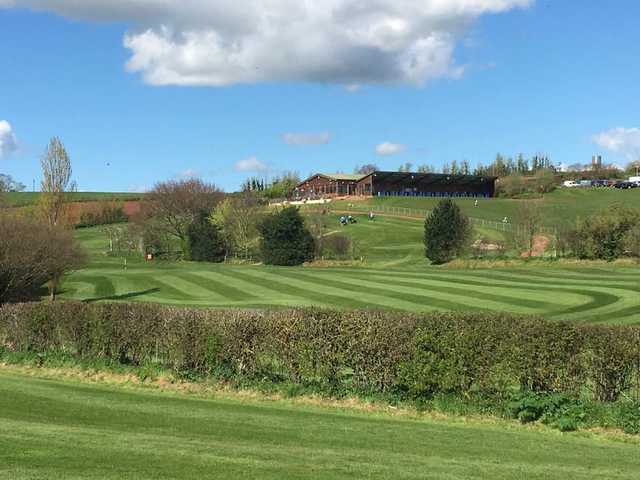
x=338, y=177
x=354, y=177
x=432, y=178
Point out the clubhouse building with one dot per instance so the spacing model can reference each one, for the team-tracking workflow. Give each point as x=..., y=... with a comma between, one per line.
x=381, y=184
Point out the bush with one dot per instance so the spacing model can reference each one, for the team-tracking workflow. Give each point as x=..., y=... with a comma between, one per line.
x=101, y=213
x=205, y=242
x=336, y=245
x=285, y=239
x=525, y=366
x=32, y=254
x=447, y=232
x=604, y=235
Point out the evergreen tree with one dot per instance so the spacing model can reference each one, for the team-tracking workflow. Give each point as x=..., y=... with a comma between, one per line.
x=447, y=232
x=285, y=239
x=205, y=242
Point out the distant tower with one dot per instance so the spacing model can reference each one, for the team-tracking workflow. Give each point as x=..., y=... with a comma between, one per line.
x=596, y=162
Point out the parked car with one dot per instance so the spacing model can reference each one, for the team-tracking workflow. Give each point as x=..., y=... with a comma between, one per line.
x=570, y=183
x=624, y=185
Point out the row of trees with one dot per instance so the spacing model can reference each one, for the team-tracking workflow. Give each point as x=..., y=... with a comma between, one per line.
x=195, y=220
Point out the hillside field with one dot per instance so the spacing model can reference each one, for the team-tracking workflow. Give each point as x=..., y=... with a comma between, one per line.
x=561, y=206
x=67, y=429
x=21, y=199
x=398, y=278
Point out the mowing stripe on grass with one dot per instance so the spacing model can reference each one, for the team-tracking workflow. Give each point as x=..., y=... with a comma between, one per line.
x=223, y=289
x=423, y=302
x=337, y=298
x=480, y=293
x=462, y=301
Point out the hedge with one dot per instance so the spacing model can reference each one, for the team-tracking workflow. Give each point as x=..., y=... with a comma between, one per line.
x=359, y=351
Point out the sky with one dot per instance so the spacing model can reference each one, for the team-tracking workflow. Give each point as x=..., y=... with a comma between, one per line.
x=141, y=91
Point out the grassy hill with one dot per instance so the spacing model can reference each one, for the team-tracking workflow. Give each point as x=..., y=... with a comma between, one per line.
x=562, y=205
x=69, y=430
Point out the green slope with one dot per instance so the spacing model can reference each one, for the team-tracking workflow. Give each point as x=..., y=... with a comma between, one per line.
x=69, y=430
x=562, y=205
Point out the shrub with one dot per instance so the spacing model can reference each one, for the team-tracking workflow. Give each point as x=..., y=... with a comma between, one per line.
x=447, y=232
x=101, y=213
x=336, y=245
x=604, y=235
x=32, y=254
x=205, y=242
x=285, y=239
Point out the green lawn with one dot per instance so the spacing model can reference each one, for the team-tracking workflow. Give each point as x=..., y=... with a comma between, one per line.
x=72, y=430
x=399, y=279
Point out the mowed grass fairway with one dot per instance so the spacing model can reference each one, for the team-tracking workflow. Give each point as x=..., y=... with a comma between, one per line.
x=70, y=430
x=400, y=279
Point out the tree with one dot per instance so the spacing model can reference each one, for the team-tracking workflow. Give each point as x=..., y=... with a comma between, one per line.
x=8, y=184
x=605, y=234
x=406, y=168
x=56, y=181
x=285, y=239
x=527, y=224
x=424, y=168
x=447, y=232
x=174, y=205
x=282, y=186
x=366, y=169
x=238, y=217
x=62, y=254
x=33, y=253
x=205, y=241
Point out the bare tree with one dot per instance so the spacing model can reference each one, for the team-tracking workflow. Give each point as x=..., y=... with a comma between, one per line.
x=56, y=181
x=366, y=169
x=175, y=204
x=527, y=225
x=32, y=254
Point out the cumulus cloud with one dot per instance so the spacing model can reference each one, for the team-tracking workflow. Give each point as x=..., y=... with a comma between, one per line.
x=307, y=138
x=388, y=148
x=8, y=141
x=620, y=140
x=346, y=42
x=251, y=164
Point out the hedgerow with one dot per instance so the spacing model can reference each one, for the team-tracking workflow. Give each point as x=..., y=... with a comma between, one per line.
x=540, y=368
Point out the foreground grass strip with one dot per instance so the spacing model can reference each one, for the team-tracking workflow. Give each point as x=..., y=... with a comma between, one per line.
x=118, y=433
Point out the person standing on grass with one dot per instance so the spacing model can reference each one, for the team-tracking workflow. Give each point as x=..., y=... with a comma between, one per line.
x=371, y=216
x=475, y=204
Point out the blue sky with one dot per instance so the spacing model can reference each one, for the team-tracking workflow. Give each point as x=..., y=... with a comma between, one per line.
x=549, y=77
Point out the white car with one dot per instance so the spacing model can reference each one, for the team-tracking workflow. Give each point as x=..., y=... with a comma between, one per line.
x=570, y=183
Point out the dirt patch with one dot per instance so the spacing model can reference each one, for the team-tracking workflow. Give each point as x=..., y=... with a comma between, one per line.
x=540, y=245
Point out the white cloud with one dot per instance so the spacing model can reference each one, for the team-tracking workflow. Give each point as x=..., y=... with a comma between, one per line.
x=388, y=148
x=8, y=141
x=251, y=164
x=188, y=174
x=623, y=141
x=307, y=138
x=346, y=42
